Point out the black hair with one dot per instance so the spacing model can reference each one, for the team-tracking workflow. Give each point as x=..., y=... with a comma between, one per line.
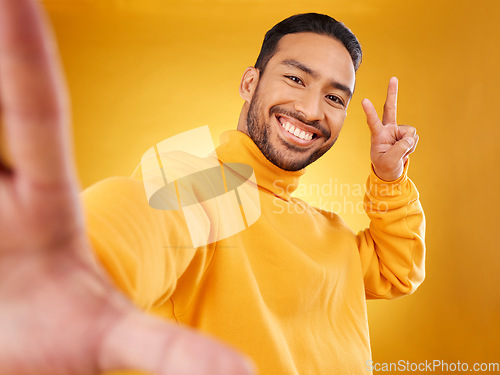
x=309, y=22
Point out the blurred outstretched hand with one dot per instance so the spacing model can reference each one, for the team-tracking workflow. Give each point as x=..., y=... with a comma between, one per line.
x=58, y=313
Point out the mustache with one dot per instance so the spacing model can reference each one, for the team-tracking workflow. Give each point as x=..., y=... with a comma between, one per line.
x=276, y=109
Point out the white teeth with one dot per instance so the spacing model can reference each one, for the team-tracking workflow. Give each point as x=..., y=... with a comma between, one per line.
x=302, y=134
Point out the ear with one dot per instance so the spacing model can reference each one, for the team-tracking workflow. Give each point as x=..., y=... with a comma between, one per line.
x=249, y=83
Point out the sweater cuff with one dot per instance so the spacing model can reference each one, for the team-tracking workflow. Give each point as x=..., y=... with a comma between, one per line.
x=379, y=188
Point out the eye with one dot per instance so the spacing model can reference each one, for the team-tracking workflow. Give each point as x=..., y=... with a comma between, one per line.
x=336, y=100
x=295, y=79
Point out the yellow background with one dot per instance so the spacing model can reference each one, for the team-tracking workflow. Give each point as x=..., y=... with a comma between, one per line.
x=140, y=71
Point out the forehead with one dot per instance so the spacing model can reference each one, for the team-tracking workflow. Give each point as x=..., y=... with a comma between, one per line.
x=321, y=53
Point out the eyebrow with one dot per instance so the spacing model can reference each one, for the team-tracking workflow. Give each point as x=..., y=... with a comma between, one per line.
x=314, y=74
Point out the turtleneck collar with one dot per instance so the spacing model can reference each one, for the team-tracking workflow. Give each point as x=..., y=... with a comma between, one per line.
x=237, y=147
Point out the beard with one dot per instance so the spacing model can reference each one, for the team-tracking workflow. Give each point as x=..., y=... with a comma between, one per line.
x=290, y=157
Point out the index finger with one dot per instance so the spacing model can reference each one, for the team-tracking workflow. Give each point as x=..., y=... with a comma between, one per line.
x=391, y=103
x=32, y=95
x=371, y=117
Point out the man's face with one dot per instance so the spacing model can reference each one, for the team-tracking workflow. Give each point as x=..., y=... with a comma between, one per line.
x=300, y=102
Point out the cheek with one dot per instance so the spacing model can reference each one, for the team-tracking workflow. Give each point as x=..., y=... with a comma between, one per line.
x=278, y=93
x=335, y=121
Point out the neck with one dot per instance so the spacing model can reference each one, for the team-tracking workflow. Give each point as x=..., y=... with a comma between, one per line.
x=242, y=121
x=237, y=147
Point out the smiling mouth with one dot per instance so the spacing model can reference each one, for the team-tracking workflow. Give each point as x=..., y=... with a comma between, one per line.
x=295, y=131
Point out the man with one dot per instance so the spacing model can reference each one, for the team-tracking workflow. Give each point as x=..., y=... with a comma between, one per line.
x=289, y=290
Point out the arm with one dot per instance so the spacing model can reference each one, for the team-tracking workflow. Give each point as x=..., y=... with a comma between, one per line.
x=143, y=250
x=392, y=249
x=59, y=314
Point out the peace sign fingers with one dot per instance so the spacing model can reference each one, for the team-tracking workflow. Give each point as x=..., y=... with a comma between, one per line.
x=390, y=143
x=390, y=109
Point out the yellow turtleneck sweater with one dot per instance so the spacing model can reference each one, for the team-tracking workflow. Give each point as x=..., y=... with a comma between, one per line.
x=290, y=290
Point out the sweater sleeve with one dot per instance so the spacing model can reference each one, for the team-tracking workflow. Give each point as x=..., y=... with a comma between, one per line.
x=143, y=250
x=392, y=249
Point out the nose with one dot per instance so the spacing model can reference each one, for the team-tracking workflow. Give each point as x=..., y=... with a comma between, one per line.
x=310, y=105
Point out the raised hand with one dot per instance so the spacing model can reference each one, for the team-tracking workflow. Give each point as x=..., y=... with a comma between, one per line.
x=391, y=144
x=58, y=313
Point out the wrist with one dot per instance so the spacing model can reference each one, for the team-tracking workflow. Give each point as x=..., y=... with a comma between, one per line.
x=380, y=189
x=390, y=176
